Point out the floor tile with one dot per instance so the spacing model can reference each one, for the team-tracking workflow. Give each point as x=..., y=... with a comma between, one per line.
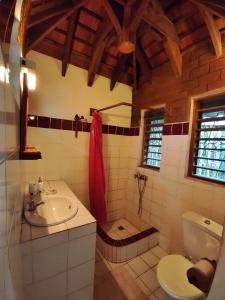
x=143, y=287
x=155, y=268
x=150, y=280
x=138, y=266
x=160, y=294
x=150, y=258
x=115, y=265
x=152, y=297
x=131, y=272
x=159, y=252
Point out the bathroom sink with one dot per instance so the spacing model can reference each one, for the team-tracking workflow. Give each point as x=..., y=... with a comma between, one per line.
x=54, y=210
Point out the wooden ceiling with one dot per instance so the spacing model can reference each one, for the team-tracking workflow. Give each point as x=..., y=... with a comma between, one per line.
x=96, y=34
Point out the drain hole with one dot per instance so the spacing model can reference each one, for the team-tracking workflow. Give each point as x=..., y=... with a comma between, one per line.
x=120, y=227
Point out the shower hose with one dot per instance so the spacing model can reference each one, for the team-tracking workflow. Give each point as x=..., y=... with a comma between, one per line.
x=141, y=190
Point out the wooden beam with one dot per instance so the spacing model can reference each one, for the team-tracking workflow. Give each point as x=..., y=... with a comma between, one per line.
x=211, y=7
x=138, y=14
x=109, y=10
x=146, y=28
x=118, y=69
x=135, y=77
x=213, y=31
x=146, y=70
x=47, y=14
x=69, y=42
x=121, y=2
x=102, y=32
x=157, y=19
x=78, y=59
x=98, y=50
x=131, y=20
x=95, y=62
x=174, y=55
x=216, y=3
x=39, y=32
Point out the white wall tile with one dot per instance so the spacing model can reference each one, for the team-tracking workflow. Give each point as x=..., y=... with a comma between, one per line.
x=85, y=293
x=50, y=241
x=50, y=289
x=81, y=276
x=50, y=262
x=82, y=230
x=81, y=250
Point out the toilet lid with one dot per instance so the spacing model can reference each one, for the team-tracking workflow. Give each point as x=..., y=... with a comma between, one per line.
x=172, y=276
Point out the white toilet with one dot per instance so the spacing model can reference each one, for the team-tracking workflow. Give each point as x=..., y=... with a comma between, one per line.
x=201, y=239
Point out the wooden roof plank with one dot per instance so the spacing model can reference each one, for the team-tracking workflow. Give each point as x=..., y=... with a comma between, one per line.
x=69, y=42
x=49, y=13
x=39, y=32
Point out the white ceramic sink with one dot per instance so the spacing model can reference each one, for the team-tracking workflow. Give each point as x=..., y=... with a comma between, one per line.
x=54, y=210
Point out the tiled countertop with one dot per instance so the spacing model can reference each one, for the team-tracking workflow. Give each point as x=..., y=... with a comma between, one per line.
x=83, y=217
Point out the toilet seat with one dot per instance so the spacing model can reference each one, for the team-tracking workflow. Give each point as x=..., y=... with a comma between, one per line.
x=171, y=273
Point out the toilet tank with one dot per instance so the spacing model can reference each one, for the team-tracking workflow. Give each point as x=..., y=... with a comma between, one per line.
x=201, y=236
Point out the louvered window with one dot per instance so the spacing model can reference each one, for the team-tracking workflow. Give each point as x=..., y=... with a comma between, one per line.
x=208, y=148
x=152, y=141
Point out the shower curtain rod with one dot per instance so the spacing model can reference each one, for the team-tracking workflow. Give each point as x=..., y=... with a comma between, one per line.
x=125, y=104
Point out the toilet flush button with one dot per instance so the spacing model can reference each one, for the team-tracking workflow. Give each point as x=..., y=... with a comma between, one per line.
x=207, y=222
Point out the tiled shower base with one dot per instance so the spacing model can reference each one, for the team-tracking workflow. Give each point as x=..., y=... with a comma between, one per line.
x=120, y=241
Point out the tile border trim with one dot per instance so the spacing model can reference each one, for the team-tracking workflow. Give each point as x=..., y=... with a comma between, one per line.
x=181, y=128
x=124, y=242
x=63, y=124
x=176, y=128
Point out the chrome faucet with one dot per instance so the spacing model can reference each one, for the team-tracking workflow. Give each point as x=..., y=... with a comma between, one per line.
x=32, y=205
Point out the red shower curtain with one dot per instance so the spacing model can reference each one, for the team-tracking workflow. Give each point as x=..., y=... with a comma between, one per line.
x=96, y=171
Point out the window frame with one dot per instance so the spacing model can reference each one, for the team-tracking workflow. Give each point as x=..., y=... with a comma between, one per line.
x=196, y=111
x=159, y=110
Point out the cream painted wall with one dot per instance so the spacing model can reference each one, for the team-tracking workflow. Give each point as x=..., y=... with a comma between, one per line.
x=64, y=97
x=64, y=156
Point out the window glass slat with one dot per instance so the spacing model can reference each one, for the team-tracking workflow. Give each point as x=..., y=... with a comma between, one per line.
x=152, y=141
x=208, y=159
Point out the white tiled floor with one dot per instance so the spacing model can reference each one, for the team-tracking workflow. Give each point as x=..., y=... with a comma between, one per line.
x=142, y=279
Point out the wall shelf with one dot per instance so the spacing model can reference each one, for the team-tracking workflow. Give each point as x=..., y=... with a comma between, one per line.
x=30, y=153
